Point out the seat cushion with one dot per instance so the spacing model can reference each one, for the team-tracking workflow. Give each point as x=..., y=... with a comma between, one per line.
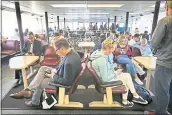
x=115, y=90
x=8, y=52
x=49, y=62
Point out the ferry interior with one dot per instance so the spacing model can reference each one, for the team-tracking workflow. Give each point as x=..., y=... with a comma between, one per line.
x=82, y=24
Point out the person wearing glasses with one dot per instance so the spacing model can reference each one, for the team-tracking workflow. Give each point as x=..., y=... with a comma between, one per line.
x=162, y=42
x=64, y=73
x=31, y=48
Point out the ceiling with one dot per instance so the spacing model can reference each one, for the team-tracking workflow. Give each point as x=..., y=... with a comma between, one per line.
x=135, y=8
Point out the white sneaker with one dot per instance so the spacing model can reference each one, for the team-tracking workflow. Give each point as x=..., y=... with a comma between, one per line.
x=138, y=81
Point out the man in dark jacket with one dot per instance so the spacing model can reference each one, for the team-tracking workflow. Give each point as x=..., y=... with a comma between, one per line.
x=64, y=73
x=162, y=42
x=32, y=48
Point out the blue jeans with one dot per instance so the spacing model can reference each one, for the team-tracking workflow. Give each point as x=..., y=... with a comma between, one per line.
x=170, y=104
x=124, y=59
x=163, y=77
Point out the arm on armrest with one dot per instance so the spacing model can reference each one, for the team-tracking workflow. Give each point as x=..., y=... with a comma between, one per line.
x=52, y=83
x=111, y=84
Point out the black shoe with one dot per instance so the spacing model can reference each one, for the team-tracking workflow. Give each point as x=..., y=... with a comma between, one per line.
x=18, y=83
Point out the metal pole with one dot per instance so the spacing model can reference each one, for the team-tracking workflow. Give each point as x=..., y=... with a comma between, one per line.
x=46, y=26
x=155, y=17
x=19, y=21
x=58, y=23
x=64, y=23
x=126, y=23
x=108, y=22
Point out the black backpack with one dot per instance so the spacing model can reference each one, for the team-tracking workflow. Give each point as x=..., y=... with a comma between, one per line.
x=141, y=91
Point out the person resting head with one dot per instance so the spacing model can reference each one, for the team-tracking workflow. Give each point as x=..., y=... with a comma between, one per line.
x=102, y=67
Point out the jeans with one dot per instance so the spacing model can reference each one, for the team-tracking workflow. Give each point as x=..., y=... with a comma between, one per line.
x=40, y=76
x=163, y=78
x=39, y=90
x=124, y=59
x=170, y=104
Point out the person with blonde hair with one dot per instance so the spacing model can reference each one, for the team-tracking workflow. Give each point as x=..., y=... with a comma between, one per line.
x=55, y=38
x=104, y=69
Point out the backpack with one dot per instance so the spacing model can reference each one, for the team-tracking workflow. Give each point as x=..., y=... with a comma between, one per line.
x=141, y=91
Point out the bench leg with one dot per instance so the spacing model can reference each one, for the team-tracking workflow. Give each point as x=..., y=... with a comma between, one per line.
x=91, y=86
x=24, y=78
x=107, y=100
x=63, y=100
x=81, y=87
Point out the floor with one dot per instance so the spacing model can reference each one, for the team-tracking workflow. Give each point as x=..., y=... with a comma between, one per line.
x=7, y=81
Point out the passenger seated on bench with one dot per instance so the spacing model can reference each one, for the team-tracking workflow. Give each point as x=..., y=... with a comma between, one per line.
x=56, y=37
x=64, y=73
x=145, y=48
x=122, y=53
x=31, y=48
x=99, y=44
x=103, y=69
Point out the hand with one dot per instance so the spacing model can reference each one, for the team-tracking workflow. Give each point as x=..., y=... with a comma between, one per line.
x=119, y=71
x=50, y=75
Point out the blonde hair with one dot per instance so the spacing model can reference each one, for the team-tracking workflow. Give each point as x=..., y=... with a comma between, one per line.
x=144, y=40
x=107, y=44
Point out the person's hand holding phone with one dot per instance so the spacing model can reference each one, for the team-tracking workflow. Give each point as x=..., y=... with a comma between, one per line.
x=49, y=73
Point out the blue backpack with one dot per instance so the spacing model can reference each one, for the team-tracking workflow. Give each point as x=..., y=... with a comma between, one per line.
x=143, y=92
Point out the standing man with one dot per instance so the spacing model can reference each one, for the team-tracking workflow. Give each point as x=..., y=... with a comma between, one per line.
x=162, y=42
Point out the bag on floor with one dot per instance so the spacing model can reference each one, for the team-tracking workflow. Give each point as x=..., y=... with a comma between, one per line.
x=143, y=92
x=48, y=100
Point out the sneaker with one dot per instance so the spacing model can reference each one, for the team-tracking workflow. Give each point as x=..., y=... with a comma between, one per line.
x=139, y=100
x=129, y=104
x=138, y=81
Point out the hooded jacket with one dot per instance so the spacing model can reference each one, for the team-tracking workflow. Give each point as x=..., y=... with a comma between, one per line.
x=102, y=66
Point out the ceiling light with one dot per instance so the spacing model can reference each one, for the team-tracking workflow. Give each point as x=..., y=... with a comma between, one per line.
x=85, y=13
x=105, y=5
x=10, y=6
x=133, y=13
x=85, y=5
x=162, y=5
x=68, y=5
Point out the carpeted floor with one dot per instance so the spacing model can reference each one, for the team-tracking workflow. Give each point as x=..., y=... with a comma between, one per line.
x=84, y=96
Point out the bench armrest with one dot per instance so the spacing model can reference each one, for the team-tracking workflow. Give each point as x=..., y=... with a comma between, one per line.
x=52, y=83
x=111, y=84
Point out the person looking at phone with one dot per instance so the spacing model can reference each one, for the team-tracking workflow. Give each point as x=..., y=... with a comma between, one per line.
x=102, y=66
x=31, y=48
x=64, y=73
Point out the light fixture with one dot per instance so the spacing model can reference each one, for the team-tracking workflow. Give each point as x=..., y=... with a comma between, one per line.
x=84, y=13
x=85, y=5
x=133, y=13
x=68, y=5
x=105, y=5
x=161, y=5
x=11, y=6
